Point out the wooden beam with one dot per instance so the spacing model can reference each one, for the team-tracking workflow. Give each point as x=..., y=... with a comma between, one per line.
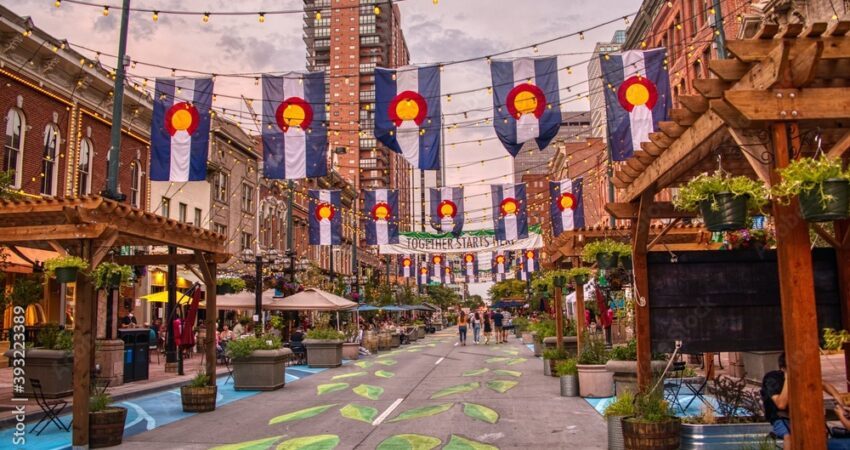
x=165, y=259
x=799, y=314
x=671, y=129
x=756, y=153
x=102, y=245
x=838, y=29
x=729, y=114
x=830, y=239
x=814, y=29
x=767, y=31
x=710, y=87
x=209, y=273
x=839, y=148
x=683, y=116
x=640, y=236
x=663, y=233
x=751, y=50
x=58, y=248
x=804, y=66
x=661, y=139
x=50, y=232
x=630, y=171
x=728, y=69
x=651, y=149
x=643, y=157
x=659, y=210
x=84, y=326
x=696, y=104
x=789, y=30
x=791, y=104
x=634, y=164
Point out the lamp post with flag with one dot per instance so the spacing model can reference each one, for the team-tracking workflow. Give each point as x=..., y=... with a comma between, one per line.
x=260, y=259
x=111, y=190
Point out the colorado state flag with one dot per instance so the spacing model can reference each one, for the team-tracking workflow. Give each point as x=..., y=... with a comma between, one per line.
x=566, y=205
x=509, y=211
x=526, y=104
x=325, y=220
x=407, y=113
x=447, y=209
x=470, y=268
x=407, y=267
x=295, y=137
x=636, y=99
x=529, y=261
x=501, y=265
x=180, y=129
x=423, y=273
x=381, y=206
x=438, y=264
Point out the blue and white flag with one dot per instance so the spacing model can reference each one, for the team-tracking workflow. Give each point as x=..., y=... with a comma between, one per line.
x=295, y=135
x=423, y=273
x=438, y=265
x=526, y=104
x=470, y=267
x=407, y=267
x=566, y=205
x=637, y=98
x=501, y=265
x=407, y=113
x=180, y=129
x=521, y=273
x=447, y=209
x=381, y=206
x=509, y=211
x=448, y=272
x=325, y=218
x=529, y=261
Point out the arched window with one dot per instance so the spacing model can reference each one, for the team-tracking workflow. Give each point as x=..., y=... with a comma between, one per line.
x=136, y=183
x=85, y=165
x=13, y=159
x=49, y=167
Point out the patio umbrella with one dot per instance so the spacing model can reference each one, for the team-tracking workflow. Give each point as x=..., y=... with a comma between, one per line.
x=162, y=297
x=393, y=308
x=367, y=308
x=311, y=300
x=243, y=300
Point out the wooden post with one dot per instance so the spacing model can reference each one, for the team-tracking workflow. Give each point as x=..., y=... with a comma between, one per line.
x=83, y=355
x=842, y=256
x=640, y=228
x=208, y=271
x=799, y=315
x=559, y=318
x=580, y=325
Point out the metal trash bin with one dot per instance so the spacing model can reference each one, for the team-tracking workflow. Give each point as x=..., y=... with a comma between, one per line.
x=136, y=346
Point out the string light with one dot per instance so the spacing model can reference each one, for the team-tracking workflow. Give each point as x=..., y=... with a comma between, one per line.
x=626, y=19
x=262, y=17
x=57, y=3
x=581, y=35
x=206, y=17
x=318, y=15
x=535, y=49
x=105, y=11
x=155, y=16
x=377, y=10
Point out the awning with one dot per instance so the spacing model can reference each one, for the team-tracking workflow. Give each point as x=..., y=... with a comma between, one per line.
x=17, y=264
x=162, y=297
x=393, y=308
x=418, y=308
x=311, y=300
x=243, y=300
x=367, y=308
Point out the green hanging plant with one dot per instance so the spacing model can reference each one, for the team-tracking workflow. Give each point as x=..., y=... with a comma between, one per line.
x=604, y=247
x=76, y=262
x=232, y=284
x=108, y=274
x=579, y=274
x=807, y=174
x=704, y=188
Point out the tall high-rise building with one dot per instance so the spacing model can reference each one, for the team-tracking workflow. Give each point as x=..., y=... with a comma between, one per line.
x=575, y=125
x=347, y=39
x=596, y=93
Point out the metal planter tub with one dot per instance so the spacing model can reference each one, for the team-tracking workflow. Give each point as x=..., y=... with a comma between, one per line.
x=615, y=433
x=569, y=386
x=722, y=436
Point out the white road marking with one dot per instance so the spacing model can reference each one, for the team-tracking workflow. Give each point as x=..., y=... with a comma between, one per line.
x=386, y=413
x=439, y=361
x=456, y=344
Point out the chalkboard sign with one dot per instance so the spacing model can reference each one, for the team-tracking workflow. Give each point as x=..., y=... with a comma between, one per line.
x=728, y=301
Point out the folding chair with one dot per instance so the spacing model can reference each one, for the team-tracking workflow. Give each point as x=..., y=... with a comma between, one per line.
x=51, y=408
x=229, y=370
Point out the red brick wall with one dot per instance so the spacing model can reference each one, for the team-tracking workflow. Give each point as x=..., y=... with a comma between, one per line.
x=345, y=65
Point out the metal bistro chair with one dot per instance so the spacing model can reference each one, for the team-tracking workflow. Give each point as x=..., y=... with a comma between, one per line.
x=51, y=408
x=694, y=386
x=229, y=369
x=299, y=352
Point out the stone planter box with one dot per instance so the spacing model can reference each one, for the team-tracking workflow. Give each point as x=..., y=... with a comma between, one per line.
x=323, y=353
x=420, y=329
x=722, y=436
x=595, y=381
x=395, y=340
x=757, y=364
x=526, y=338
x=570, y=344
x=54, y=368
x=625, y=373
x=350, y=350
x=263, y=370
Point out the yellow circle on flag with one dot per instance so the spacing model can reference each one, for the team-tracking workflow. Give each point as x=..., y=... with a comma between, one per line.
x=382, y=212
x=637, y=94
x=325, y=212
x=525, y=102
x=181, y=119
x=566, y=202
x=407, y=109
x=509, y=208
x=294, y=115
x=446, y=210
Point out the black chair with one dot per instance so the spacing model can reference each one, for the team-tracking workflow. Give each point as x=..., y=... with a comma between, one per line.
x=229, y=369
x=51, y=408
x=299, y=352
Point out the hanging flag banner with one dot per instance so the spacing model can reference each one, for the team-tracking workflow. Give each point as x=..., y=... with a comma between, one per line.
x=637, y=98
x=407, y=113
x=448, y=273
x=447, y=209
x=437, y=268
x=509, y=213
x=325, y=220
x=526, y=104
x=530, y=261
x=180, y=129
x=501, y=265
x=420, y=243
x=470, y=267
x=566, y=205
x=381, y=206
x=407, y=267
x=295, y=136
x=521, y=273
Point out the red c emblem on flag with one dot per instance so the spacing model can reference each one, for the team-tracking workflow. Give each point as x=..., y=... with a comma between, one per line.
x=381, y=211
x=325, y=211
x=567, y=201
x=529, y=254
x=408, y=105
x=636, y=91
x=294, y=112
x=509, y=207
x=437, y=259
x=469, y=258
x=406, y=262
x=526, y=98
x=423, y=271
x=447, y=208
x=500, y=259
x=181, y=117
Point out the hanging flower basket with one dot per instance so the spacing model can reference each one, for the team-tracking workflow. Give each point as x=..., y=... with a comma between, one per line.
x=626, y=262
x=726, y=212
x=223, y=289
x=66, y=274
x=65, y=268
x=829, y=202
x=606, y=260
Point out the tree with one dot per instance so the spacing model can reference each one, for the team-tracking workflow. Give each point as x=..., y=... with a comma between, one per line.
x=7, y=192
x=473, y=302
x=507, y=288
x=442, y=296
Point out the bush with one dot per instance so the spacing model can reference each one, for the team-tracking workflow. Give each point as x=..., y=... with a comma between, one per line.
x=806, y=174
x=328, y=334
x=235, y=284
x=651, y=407
x=521, y=323
x=626, y=352
x=567, y=366
x=99, y=402
x=582, y=272
x=555, y=353
x=53, y=338
x=833, y=340
x=200, y=380
x=624, y=405
x=52, y=264
x=105, y=270
x=704, y=187
x=593, y=351
x=244, y=346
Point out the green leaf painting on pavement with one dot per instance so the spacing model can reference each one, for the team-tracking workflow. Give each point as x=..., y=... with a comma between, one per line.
x=501, y=386
x=259, y=444
x=384, y=374
x=457, y=389
x=513, y=361
x=301, y=414
x=387, y=362
x=462, y=443
x=475, y=372
x=423, y=411
x=510, y=373
x=510, y=351
x=348, y=375
x=414, y=350
x=364, y=364
x=317, y=442
x=357, y=412
x=369, y=391
x=331, y=387
x=497, y=359
x=409, y=442
x=480, y=412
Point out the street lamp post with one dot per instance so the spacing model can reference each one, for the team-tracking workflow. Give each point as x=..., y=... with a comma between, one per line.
x=260, y=259
x=559, y=281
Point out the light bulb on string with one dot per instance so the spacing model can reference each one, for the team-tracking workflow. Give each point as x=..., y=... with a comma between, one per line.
x=57, y=3
x=155, y=16
x=581, y=35
x=105, y=11
x=262, y=17
x=318, y=15
x=377, y=10
x=206, y=17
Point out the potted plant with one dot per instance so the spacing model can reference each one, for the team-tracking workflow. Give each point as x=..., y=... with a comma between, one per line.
x=109, y=275
x=259, y=363
x=199, y=395
x=351, y=347
x=51, y=362
x=822, y=186
x=567, y=370
x=106, y=422
x=605, y=253
x=229, y=285
x=65, y=268
x=551, y=358
x=324, y=347
x=594, y=380
x=653, y=425
x=579, y=275
x=622, y=407
x=622, y=364
x=722, y=200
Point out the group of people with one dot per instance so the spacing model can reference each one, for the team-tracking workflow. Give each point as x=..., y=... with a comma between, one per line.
x=488, y=321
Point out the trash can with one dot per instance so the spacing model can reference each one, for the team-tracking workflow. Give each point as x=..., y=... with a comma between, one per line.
x=136, y=344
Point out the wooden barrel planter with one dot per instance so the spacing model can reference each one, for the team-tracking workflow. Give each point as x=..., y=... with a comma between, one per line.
x=106, y=428
x=198, y=399
x=730, y=213
x=651, y=436
x=830, y=202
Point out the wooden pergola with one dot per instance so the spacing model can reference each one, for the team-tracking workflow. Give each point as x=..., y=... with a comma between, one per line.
x=90, y=227
x=780, y=93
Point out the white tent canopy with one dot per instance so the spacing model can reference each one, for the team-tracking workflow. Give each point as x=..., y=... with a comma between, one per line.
x=243, y=300
x=589, y=294
x=311, y=300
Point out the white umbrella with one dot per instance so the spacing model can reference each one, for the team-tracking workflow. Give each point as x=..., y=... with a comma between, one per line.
x=311, y=300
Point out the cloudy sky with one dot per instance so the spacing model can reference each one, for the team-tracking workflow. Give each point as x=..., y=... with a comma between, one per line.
x=451, y=30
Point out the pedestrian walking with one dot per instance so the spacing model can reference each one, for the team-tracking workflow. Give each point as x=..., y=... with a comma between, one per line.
x=497, y=324
x=461, y=327
x=488, y=326
x=476, y=328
